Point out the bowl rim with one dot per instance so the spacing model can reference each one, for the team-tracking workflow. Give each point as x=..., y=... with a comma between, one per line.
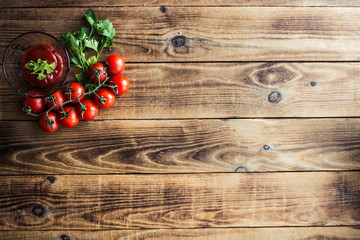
x=36, y=32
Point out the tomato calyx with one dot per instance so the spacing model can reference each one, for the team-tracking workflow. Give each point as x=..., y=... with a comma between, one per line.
x=101, y=98
x=69, y=91
x=50, y=98
x=119, y=84
x=97, y=71
x=49, y=122
x=83, y=108
x=113, y=87
x=33, y=105
x=27, y=109
x=65, y=114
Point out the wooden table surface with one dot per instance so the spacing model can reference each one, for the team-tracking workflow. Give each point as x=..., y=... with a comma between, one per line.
x=242, y=122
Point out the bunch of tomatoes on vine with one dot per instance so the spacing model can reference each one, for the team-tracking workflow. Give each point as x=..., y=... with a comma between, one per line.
x=96, y=85
x=67, y=107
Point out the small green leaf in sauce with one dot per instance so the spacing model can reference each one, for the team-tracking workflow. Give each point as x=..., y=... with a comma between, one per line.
x=40, y=67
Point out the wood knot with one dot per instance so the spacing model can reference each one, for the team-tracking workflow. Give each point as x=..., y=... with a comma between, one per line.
x=241, y=169
x=178, y=41
x=266, y=147
x=275, y=97
x=51, y=179
x=38, y=210
x=274, y=74
x=65, y=237
x=163, y=9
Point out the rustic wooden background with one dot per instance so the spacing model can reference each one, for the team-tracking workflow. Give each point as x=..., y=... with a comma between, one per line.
x=242, y=122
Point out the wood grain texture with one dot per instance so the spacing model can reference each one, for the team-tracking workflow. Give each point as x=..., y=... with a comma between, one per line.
x=83, y=202
x=225, y=90
x=298, y=233
x=171, y=160
x=145, y=34
x=187, y=146
x=152, y=3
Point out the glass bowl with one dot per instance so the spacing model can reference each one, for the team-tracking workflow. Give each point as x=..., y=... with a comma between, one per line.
x=12, y=67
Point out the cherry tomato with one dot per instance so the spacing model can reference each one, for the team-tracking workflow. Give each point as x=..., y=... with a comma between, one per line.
x=36, y=105
x=45, y=125
x=72, y=118
x=96, y=67
x=107, y=96
x=116, y=63
x=59, y=98
x=91, y=110
x=122, y=84
x=76, y=90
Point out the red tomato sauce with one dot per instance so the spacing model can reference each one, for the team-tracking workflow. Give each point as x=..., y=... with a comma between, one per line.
x=46, y=53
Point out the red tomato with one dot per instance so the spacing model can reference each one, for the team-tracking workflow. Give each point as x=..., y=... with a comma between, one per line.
x=74, y=90
x=97, y=72
x=91, y=110
x=104, y=98
x=36, y=105
x=122, y=84
x=50, y=124
x=72, y=118
x=116, y=63
x=59, y=98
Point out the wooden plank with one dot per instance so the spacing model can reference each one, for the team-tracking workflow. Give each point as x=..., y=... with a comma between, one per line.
x=187, y=146
x=298, y=233
x=81, y=202
x=152, y=3
x=145, y=34
x=225, y=90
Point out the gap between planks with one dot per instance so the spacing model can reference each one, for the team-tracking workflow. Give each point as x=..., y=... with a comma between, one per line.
x=176, y=173
x=167, y=3
x=283, y=233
